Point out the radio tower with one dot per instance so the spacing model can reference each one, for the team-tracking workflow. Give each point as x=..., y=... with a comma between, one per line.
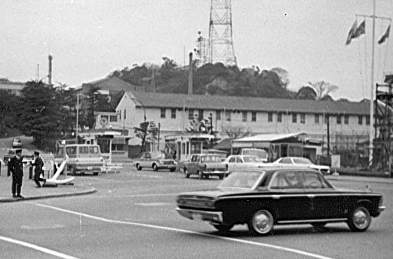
x=220, y=33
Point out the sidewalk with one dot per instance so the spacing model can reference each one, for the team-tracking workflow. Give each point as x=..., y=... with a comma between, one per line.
x=30, y=192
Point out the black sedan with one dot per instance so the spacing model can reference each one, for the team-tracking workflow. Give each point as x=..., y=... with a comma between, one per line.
x=277, y=196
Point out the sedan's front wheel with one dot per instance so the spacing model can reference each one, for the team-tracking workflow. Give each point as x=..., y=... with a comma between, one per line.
x=261, y=222
x=359, y=219
x=186, y=173
x=222, y=228
x=155, y=167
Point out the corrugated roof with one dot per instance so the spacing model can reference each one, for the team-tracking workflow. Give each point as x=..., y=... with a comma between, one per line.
x=214, y=102
x=268, y=137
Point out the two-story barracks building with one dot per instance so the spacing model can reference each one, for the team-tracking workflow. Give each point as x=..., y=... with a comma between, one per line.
x=348, y=121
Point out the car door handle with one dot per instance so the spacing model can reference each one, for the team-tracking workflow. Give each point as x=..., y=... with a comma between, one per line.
x=311, y=196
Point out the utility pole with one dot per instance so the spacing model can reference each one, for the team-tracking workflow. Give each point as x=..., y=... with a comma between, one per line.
x=50, y=70
x=77, y=118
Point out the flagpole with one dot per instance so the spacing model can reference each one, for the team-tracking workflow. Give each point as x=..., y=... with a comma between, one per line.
x=371, y=136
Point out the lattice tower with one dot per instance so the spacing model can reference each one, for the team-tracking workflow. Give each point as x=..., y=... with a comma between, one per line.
x=220, y=33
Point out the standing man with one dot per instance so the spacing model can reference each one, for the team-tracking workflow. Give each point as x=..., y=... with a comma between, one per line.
x=38, y=164
x=16, y=168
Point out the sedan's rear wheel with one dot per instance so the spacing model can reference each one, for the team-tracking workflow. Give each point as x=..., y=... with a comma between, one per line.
x=359, y=219
x=155, y=167
x=261, y=223
x=222, y=228
x=138, y=167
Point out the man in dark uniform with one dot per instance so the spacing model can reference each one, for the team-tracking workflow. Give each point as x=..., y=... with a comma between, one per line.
x=38, y=163
x=16, y=168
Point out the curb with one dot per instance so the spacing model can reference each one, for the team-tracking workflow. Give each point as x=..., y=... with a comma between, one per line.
x=88, y=191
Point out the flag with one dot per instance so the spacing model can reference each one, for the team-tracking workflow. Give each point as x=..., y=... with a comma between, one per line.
x=360, y=30
x=384, y=36
x=351, y=32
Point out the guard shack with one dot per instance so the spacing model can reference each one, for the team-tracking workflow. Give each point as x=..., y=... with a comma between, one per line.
x=182, y=146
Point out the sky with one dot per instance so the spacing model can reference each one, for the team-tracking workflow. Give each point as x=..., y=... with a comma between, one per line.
x=89, y=39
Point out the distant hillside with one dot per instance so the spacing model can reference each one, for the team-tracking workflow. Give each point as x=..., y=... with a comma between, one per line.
x=209, y=79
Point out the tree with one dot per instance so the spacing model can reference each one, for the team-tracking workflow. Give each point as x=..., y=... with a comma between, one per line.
x=8, y=110
x=40, y=114
x=306, y=93
x=283, y=75
x=147, y=132
x=323, y=89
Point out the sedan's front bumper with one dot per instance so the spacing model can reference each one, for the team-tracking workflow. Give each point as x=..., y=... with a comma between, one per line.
x=210, y=216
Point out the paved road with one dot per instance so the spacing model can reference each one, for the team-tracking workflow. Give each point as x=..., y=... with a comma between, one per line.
x=133, y=216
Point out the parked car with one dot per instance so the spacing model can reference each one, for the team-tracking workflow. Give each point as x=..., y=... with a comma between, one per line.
x=236, y=162
x=81, y=158
x=277, y=196
x=16, y=143
x=205, y=165
x=302, y=162
x=258, y=152
x=156, y=161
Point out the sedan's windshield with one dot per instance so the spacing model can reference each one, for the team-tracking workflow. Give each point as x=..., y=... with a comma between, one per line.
x=240, y=180
x=302, y=160
x=251, y=159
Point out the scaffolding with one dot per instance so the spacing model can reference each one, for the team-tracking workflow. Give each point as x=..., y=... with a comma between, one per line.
x=383, y=125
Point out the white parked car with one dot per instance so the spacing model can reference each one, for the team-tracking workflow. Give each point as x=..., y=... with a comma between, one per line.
x=236, y=162
x=302, y=162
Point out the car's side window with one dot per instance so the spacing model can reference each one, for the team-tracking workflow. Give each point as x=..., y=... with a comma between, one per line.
x=239, y=160
x=286, y=180
x=285, y=160
x=313, y=180
x=232, y=160
x=279, y=182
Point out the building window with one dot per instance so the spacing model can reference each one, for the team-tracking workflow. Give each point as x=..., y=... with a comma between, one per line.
x=218, y=115
x=316, y=118
x=326, y=119
x=360, y=119
x=244, y=116
x=200, y=115
x=190, y=114
x=294, y=117
x=367, y=120
x=173, y=113
x=279, y=117
x=228, y=115
x=124, y=114
x=302, y=118
x=346, y=119
x=113, y=118
x=269, y=116
x=338, y=119
x=163, y=110
x=253, y=116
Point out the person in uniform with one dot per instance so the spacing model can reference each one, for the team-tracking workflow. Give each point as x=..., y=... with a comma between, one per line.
x=16, y=168
x=38, y=164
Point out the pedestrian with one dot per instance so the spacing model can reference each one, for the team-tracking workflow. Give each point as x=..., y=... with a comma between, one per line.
x=16, y=168
x=38, y=164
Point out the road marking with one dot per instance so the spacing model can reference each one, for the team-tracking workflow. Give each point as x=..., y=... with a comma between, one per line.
x=281, y=248
x=153, y=204
x=56, y=226
x=36, y=247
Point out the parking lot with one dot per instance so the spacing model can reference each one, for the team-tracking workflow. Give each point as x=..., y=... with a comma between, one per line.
x=132, y=215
